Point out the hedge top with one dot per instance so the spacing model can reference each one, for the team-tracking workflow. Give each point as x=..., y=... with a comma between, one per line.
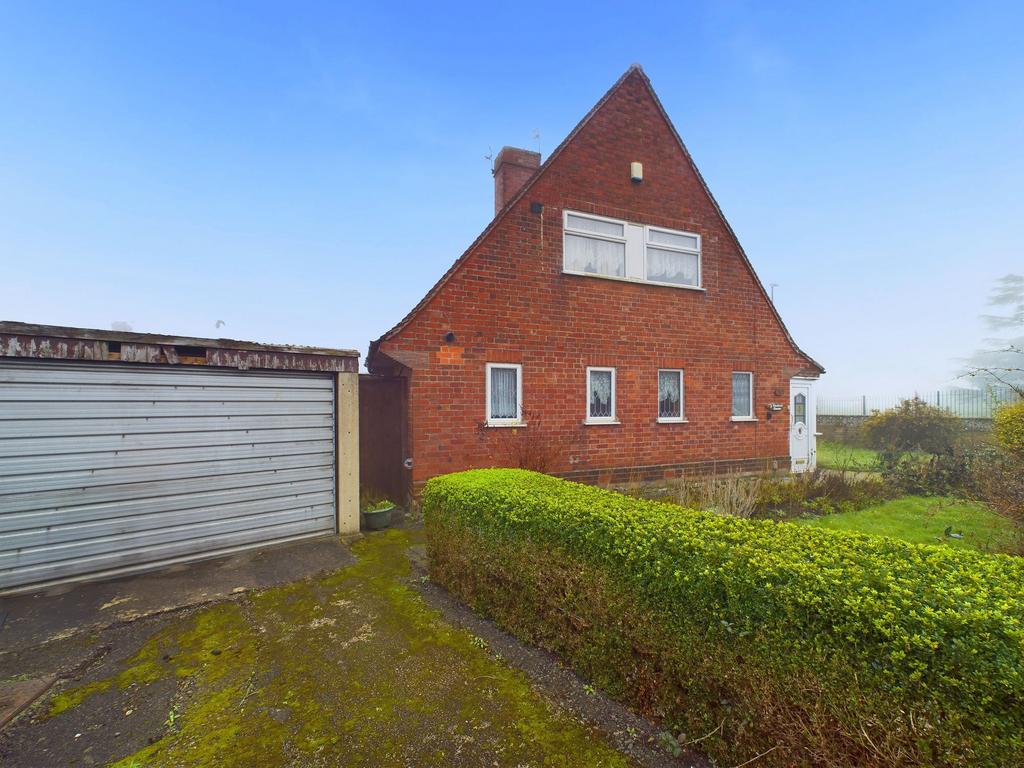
x=930, y=623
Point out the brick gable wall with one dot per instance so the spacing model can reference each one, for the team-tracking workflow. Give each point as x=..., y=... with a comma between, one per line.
x=508, y=301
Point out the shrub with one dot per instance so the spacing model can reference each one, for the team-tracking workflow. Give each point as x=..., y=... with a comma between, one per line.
x=771, y=495
x=731, y=494
x=821, y=491
x=1008, y=427
x=936, y=475
x=814, y=647
x=536, y=448
x=998, y=477
x=913, y=425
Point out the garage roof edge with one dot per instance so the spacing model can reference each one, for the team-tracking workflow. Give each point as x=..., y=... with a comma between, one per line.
x=26, y=340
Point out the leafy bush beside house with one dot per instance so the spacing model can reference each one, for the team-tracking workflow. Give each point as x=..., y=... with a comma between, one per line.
x=812, y=647
x=913, y=425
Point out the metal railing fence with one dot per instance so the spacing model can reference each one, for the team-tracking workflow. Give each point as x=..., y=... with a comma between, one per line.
x=964, y=403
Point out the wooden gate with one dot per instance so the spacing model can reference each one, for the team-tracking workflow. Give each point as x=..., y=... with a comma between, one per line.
x=383, y=435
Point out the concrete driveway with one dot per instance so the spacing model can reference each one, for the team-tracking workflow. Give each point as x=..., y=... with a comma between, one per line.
x=314, y=655
x=37, y=618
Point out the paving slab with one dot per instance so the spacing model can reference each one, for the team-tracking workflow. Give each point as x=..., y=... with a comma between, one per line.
x=16, y=695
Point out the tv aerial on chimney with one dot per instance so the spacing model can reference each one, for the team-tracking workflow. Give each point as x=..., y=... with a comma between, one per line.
x=536, y=137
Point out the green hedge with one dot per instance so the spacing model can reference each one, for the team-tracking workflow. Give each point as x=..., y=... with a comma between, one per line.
x=816, y=647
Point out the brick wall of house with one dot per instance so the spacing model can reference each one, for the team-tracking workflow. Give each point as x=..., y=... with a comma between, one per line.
x=510, y=302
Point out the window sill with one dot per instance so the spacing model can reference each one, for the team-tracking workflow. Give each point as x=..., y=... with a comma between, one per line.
x=744, y=418
x=513, y=424
x=667, y=420
x=635, y=280
x=599, y=422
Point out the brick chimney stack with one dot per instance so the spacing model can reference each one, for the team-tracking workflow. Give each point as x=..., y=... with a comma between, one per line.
x=512, y=169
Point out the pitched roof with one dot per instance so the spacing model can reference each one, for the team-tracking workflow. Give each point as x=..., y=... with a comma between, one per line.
x=637, y=70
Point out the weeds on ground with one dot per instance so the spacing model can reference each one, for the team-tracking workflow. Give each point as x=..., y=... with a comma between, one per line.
x=819, y=492
x=735, y=495
x=822, y=492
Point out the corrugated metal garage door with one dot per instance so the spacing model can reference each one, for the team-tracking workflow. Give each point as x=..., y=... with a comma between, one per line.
x=104, y=467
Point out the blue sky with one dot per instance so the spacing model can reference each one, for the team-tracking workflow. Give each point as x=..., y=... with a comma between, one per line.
x=304, y=172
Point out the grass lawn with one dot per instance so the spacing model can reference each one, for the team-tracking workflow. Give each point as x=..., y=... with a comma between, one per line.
x=923, y=520
x=841, y=456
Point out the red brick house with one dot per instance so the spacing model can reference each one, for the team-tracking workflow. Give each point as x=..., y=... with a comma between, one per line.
x=606, y=325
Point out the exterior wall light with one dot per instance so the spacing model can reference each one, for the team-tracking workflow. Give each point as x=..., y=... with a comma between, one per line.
x=636, y=172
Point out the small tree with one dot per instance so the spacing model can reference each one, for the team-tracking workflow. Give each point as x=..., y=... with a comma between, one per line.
x=913, y=425
x=1008, y=428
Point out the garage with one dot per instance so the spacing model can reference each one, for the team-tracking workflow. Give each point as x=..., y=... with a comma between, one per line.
x=123, y=452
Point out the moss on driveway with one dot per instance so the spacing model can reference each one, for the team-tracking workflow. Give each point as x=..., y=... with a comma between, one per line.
x=352, y=669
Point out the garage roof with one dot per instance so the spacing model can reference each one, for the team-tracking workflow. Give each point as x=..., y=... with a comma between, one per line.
x=27, y=340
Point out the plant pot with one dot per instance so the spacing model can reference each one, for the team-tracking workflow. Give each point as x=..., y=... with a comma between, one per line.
x=377, y=520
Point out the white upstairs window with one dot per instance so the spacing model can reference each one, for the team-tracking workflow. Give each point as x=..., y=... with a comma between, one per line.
x=672, y=257
x=601, y=247
x=595, y=246
x=504, y=395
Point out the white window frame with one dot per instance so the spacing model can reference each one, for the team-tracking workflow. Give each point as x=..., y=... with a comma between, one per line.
x=567, y=230
x=750, y=417
x=613, y=419
x=635, y=239
x=518, y=420
x=681, y=418
x=675, y=249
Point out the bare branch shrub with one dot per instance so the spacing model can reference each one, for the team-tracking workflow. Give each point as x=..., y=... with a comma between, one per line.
x=735, y=495
x=530, y=447
x=999, y=477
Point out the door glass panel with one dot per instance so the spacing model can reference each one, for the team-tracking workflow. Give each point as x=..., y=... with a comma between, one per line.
x=800, y=409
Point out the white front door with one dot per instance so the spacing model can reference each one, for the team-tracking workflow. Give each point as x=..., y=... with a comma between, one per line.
x=802, y=445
